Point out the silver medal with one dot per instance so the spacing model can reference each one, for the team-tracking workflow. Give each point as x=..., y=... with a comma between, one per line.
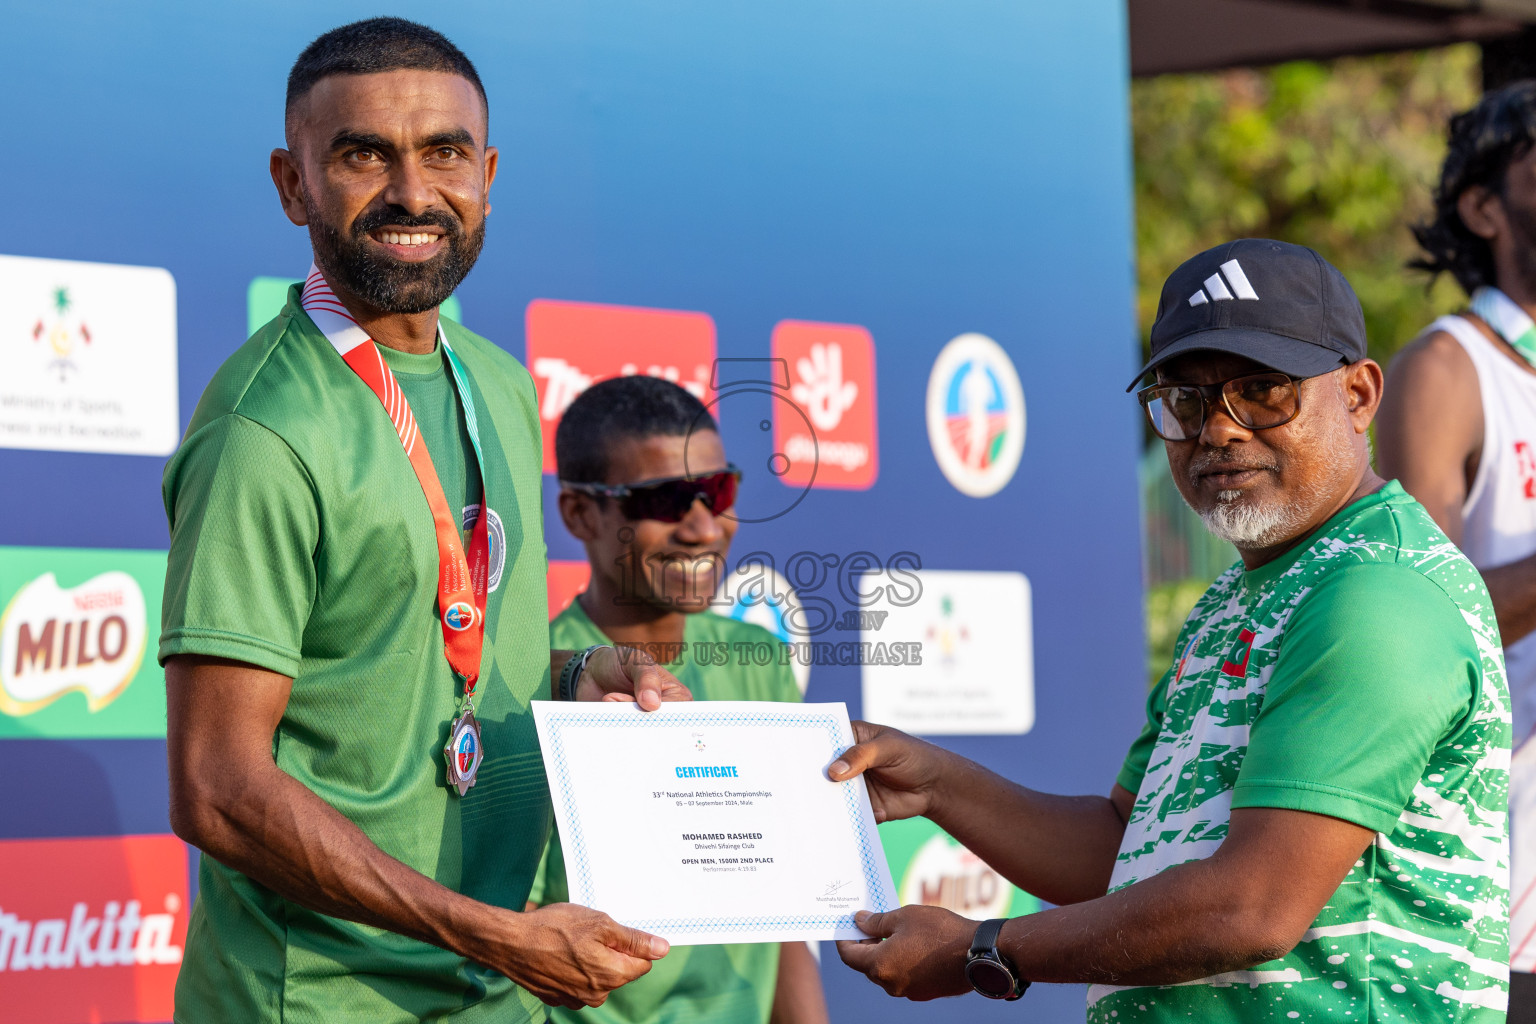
x=463, y=752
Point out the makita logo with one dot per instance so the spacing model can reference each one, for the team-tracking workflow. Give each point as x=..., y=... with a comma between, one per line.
x=91, y=929
x=1231, y=273
x=573, y=345
x=119, y=937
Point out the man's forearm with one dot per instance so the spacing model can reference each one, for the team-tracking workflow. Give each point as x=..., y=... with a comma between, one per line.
x=277, y=831
x=1513, y=590
x=797, y=995
x=1183, y=924
x=1060, y=848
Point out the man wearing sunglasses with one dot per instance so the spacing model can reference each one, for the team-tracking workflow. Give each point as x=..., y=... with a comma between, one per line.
x=353, y=614
x=1311, y=824
x=646, y=488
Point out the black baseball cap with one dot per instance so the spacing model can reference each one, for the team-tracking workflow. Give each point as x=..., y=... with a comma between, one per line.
x=1278, y=304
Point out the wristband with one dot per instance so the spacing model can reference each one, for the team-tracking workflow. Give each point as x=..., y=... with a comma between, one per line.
x=570, y=675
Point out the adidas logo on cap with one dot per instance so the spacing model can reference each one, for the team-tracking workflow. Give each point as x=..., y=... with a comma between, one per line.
x=1309, y=322
x=1217, y=286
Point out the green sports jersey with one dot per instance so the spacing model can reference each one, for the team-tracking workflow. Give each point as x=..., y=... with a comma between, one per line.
x=730, y=984
x=1360, y=677
x=301, y=542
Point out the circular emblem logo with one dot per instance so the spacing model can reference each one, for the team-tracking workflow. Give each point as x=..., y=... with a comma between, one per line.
x=466, y=750
x=459, y=616
x=975, y=415
x=497, y=535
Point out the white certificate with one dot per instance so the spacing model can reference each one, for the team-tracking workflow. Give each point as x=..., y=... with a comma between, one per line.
x=713, y=821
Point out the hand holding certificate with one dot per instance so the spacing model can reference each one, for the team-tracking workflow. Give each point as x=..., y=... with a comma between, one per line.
x=719, y=824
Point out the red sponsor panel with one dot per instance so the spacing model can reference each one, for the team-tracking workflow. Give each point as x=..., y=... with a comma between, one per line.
x=565, y=580
x=91, y=929
x=573, y=345
x=832, y=383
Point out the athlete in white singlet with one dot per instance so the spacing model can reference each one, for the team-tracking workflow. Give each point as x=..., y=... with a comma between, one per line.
x=1458, y=429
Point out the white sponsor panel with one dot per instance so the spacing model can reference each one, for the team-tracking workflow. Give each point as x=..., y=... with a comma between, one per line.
x=87, y=357
x=53, y=640
x=977, y=673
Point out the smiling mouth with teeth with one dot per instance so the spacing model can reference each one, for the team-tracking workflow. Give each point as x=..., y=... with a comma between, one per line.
x=405, y=238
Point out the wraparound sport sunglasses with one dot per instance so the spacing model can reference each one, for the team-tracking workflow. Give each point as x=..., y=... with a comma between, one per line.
x=668, y=499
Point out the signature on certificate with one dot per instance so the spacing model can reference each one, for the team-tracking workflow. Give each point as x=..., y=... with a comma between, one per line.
x=833, y=887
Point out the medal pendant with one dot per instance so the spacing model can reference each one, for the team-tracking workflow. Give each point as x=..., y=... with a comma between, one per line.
x=463, y=752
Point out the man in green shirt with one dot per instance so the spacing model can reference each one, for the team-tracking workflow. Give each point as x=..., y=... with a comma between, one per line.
x=647, y=490
x=1312, y=825
x=353, y=608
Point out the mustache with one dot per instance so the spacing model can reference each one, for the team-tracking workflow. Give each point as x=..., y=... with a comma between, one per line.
x=370, y=221
x=1217, y=459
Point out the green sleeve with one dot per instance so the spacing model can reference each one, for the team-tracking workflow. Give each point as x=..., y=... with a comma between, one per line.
x=541, y=876
x=240, y=580
x=549, y=882
x=1377, y=667
x=1136, y=759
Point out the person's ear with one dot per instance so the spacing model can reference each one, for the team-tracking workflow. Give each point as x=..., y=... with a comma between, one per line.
x=581, y=515
x=491, y=158
x=284, y=167
x=1362, y=384
x=1482, y=211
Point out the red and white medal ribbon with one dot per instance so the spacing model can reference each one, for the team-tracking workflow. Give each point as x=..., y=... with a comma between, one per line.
x=461, y=578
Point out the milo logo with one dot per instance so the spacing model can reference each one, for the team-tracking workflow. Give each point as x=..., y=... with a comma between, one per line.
x=945, y=874
x=54, y=640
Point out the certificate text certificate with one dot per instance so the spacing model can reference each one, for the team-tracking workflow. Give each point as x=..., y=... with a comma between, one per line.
x=713, y=821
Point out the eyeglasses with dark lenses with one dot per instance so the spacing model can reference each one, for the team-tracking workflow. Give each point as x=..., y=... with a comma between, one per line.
x=1257, y=401
x=668, y=500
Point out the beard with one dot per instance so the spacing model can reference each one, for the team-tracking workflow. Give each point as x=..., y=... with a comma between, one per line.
x=1249, y=525
x=383, y=282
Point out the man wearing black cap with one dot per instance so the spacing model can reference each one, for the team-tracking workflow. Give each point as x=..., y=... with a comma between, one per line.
x=1311, y=823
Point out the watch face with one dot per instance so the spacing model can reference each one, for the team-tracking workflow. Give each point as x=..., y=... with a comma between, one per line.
x=989, y=978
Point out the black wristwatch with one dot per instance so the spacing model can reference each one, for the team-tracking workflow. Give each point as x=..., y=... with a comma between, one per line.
x=988, y=971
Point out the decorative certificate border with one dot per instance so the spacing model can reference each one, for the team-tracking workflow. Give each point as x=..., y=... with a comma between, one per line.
x=575, y=844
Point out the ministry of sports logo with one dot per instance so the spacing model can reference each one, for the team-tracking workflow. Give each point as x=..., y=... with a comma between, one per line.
x=87, y=357
x=975, y=415
x=63, y=331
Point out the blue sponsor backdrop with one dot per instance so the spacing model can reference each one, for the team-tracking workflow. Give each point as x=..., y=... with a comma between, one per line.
x=920, y=169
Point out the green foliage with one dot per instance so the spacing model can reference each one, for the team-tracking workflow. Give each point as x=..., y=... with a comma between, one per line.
x=1168, y=606
x=1340, y=156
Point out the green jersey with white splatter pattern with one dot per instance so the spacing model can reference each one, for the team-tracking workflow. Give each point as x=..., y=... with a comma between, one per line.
x=1358, y=676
